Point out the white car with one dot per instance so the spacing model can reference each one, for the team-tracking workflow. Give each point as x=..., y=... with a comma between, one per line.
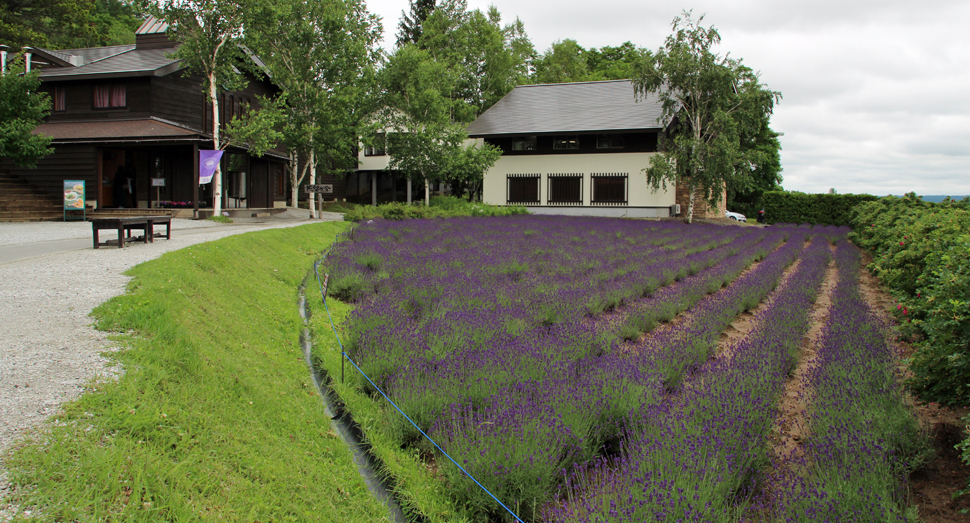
x=736, y=216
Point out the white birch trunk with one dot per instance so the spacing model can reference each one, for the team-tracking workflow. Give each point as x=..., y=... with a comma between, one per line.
x=427, y=192
x=313, y=180
x=217, y=177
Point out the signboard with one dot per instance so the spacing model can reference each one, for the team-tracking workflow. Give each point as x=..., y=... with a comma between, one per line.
x=325, y=189
x=158, y=182
x=73, y=195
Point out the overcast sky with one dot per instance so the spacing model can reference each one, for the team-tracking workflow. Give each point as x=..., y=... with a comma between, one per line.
x=876, y=93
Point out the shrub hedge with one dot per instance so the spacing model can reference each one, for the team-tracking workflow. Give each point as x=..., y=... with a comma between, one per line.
x=440, y=207
x=921, y=252
x=816, y=209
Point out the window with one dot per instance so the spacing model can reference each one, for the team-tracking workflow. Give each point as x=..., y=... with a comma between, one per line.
x=566, y=188
x=524, y=144
x=60, y=99
x=109, y=96
x=523, y=189
x=379, y=147
x=609, y=189
x=609, y=141
x=563, y=143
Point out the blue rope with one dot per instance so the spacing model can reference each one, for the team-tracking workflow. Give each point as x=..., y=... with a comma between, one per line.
x=344, y=354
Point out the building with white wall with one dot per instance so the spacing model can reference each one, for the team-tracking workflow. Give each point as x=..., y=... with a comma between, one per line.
x=574, y=148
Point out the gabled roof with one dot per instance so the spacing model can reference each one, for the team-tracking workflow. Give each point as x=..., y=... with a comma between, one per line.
x=113, y=62
x=572, y=107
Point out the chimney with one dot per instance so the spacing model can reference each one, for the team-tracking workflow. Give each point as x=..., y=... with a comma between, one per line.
x=3, y=59
x=27, y=55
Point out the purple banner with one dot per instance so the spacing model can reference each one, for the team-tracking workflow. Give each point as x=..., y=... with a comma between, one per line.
x=208, y=161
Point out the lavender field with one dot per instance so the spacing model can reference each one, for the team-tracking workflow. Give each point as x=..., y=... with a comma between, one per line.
x=577, y=367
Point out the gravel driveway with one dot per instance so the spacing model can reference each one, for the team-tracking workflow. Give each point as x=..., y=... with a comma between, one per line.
x=50, y=280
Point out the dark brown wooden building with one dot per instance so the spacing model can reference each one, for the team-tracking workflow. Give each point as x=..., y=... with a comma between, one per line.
x=128, y=111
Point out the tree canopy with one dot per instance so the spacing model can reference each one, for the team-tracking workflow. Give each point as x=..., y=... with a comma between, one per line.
x=486, y=58
x=62, y=24
x=567, y=61
x=22, y=109
x=718, y=112
x=322, y=55
x=410, y=27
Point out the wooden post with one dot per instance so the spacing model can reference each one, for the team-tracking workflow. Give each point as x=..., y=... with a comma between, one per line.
x=195, y=188
x=409, y=191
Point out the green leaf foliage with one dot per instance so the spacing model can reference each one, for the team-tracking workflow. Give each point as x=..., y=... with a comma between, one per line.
x=441, y=207
x=22, y=109
x=921, y=250
x=714, y=108
x=816, y=209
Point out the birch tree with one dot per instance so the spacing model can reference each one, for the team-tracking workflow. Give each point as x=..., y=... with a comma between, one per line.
x=208, y=32
x=322, y=55
x=711, y=102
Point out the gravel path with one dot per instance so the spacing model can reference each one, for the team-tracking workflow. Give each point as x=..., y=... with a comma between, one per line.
x=48, y=348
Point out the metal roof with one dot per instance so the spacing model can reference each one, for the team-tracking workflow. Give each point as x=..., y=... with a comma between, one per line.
x=124, y=62
x=151, y=26
x=572, y=107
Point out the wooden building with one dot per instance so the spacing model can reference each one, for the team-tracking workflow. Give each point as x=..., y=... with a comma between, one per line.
x=123, y=116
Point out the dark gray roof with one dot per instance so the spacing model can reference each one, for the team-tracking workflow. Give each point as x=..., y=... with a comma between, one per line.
x=573, y=107
x=114, y=62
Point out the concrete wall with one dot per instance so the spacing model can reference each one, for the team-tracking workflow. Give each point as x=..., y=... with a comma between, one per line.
x=642, y=201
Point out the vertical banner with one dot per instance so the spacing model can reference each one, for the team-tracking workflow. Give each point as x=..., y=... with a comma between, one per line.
x=208, y=161
x=73, y=194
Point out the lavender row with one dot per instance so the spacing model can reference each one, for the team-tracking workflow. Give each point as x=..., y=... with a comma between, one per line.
x=864, y=438
x=697, y=459
x=577, y=399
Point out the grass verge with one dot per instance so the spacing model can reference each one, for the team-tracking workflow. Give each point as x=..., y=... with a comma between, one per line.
x=419, y=487
x=216, y=417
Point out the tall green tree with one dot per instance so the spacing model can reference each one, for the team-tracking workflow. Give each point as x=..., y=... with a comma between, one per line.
x=323, y=56
x=210, y=33
x=487, y=58
x=422, y=137
x=409, y=29
x=712, y=102
x=614, y=63
x=22, y=109
x=62, y=24
x=564, y=62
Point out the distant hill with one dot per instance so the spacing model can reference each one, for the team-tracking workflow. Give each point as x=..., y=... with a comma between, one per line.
x=937, y=198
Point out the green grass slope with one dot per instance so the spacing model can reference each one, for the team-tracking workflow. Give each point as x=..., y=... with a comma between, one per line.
x=215, y=417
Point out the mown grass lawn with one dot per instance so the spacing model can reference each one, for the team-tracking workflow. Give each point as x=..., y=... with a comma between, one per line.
x=215, y=417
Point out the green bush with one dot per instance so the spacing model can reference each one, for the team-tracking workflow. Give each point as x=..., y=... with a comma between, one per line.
x=440, y=207
x=816, y=209
x=921, y=250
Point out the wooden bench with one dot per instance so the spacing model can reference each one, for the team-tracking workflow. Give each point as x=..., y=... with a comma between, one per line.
x=124, y=226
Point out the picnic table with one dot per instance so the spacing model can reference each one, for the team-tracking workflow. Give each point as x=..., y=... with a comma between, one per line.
x=124, y=226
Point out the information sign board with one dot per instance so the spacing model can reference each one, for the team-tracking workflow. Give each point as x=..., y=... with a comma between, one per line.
x=325, y=189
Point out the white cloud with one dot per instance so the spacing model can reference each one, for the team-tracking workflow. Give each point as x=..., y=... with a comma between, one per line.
x=875, y=92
